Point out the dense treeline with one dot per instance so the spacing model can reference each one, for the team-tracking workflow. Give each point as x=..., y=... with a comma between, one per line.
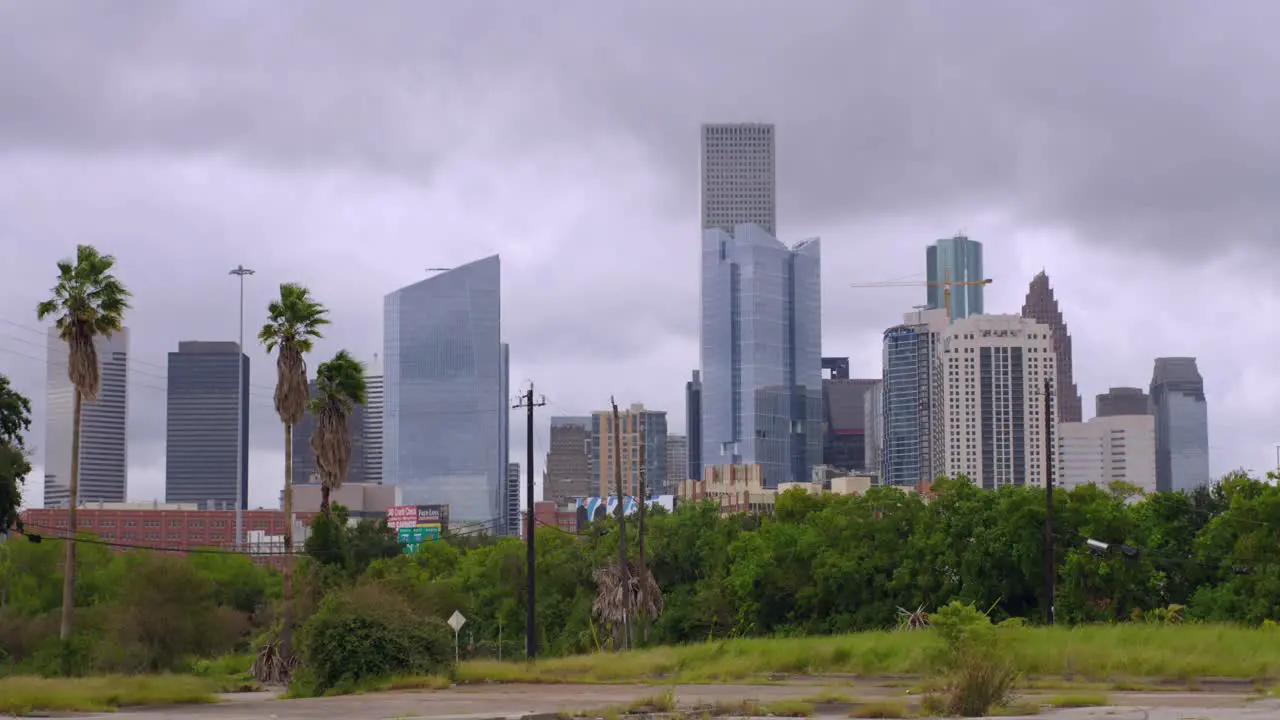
x=826, y=564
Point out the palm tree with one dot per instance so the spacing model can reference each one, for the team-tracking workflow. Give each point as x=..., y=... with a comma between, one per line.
x=340, y=385
x=87, y=301
x=293, y=322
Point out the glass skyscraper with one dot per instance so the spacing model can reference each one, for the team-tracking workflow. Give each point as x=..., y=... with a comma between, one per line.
x=205, y=397
x=446, y=394
x=1182, y=424
x=761, y=349
x=957, y=259
x=910, y=422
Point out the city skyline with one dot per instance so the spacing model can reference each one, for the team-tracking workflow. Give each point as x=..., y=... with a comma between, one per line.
x=424, y=151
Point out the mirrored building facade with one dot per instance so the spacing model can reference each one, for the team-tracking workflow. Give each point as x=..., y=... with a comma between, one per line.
x=1182, y=424
x=446, y=395
x=761, y=353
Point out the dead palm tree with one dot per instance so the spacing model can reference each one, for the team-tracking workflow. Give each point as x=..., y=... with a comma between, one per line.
x=340, y=385
x=293, y=322
x=87, y=301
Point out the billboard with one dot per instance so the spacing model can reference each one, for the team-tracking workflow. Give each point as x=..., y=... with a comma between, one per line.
x=416, y=524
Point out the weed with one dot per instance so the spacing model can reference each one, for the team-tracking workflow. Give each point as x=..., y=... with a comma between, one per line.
x=882, y=709
x=1078, y=701
x=21, y=694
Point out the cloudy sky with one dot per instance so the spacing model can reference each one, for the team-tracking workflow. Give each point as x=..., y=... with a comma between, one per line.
x=1129, y=149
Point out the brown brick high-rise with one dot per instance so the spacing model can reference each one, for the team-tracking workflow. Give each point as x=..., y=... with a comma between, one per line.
x=1042, y=307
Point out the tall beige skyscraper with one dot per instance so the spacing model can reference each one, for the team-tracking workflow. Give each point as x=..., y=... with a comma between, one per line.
x=738, y=176
x=994, y=369
x=104, y=457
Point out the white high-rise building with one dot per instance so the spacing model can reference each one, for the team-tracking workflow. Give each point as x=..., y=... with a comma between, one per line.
x=738, y=176
x=104, y=457
x=373, y=409
x=994, y=370
x=1108, y=449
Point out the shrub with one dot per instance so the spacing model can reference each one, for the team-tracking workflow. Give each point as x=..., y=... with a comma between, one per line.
x=980, y=679
x=368, y=633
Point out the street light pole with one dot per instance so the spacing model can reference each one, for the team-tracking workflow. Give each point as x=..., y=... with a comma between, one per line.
x=241, y=271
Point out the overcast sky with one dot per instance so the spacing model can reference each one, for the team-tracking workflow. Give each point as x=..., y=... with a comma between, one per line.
x=1129, y=149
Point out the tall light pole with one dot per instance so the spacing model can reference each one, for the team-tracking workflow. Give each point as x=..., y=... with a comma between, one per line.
x=242, y=271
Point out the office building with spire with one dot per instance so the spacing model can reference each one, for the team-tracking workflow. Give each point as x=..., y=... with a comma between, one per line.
x=955, y=259
x=1042, y=306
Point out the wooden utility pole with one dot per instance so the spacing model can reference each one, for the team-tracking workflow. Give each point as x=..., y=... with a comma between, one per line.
x=527, y=402
x=624, y=571
x=1050, y=571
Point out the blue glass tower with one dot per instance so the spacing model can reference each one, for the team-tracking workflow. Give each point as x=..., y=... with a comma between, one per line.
x=911, y=397
x=957, y=259
x=761, y=400
x=1182, y=424
x=446, y=404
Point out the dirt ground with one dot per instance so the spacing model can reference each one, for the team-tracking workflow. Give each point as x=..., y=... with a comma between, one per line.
x=485, y=702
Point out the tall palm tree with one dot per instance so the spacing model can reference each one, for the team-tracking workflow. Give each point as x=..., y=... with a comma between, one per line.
x=293, y=322
x=340, y=385
x=88, y=301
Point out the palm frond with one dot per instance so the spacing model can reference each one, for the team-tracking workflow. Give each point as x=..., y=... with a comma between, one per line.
x=87, y=301
x=293, y=322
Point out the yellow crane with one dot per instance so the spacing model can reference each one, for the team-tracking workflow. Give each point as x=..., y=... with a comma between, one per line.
x=946, y=284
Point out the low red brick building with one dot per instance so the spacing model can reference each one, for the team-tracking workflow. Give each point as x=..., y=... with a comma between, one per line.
x=169, y=528
x=547, y=514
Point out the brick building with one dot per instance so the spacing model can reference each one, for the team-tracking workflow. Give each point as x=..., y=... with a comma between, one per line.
x=170, y=527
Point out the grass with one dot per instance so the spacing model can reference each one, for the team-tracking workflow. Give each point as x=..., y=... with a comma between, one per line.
x=23, y=694
x=1090, y=653
x=1078, y=701
x=882, y=709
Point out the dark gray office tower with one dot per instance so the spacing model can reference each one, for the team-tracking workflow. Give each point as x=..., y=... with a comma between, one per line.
x=201, y=427
x=1122, y=401
x=693, y=424
x=304, y=460
x=835, y=368
x=1182, y=425
x=844, y=436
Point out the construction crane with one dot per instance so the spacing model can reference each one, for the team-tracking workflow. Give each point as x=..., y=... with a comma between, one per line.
x=946, y=284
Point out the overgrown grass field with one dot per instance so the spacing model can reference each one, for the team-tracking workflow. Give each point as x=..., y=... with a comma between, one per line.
x=22, y=694
x=1100, y=652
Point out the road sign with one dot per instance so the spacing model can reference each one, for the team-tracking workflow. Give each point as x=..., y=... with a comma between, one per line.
x=456, y=621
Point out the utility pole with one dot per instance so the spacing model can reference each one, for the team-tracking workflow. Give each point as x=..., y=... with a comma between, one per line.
x=624, y=570
x=527, y=402
x=1049, y=440
x=242, y=271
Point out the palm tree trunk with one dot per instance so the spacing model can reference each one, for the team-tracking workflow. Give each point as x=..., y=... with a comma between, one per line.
x=324, y=499
x=69, y=568
x=286, y=620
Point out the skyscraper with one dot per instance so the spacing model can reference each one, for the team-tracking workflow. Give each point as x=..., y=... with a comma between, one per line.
x=844, y=437
x=304, y=458
x=1042, y=307
x=445, y=392
x=1182, y=424
x=567, y=472
x=637, y=428
x=104, y=450
x=738, y=172
x=873, y=410
x=373, y=409
x=911, y=395
x=677, y=462
x=955, y=259
x=1108, y=449
x=761, y=351
x=693, y=423
x=995, y=368
x=204, y=399
x=1122, y=401
x=511, y=493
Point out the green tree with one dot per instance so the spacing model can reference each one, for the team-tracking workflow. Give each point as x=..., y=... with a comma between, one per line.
x=15, y=420
x=293, y=323
x=88, y=301
x=340, y=385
